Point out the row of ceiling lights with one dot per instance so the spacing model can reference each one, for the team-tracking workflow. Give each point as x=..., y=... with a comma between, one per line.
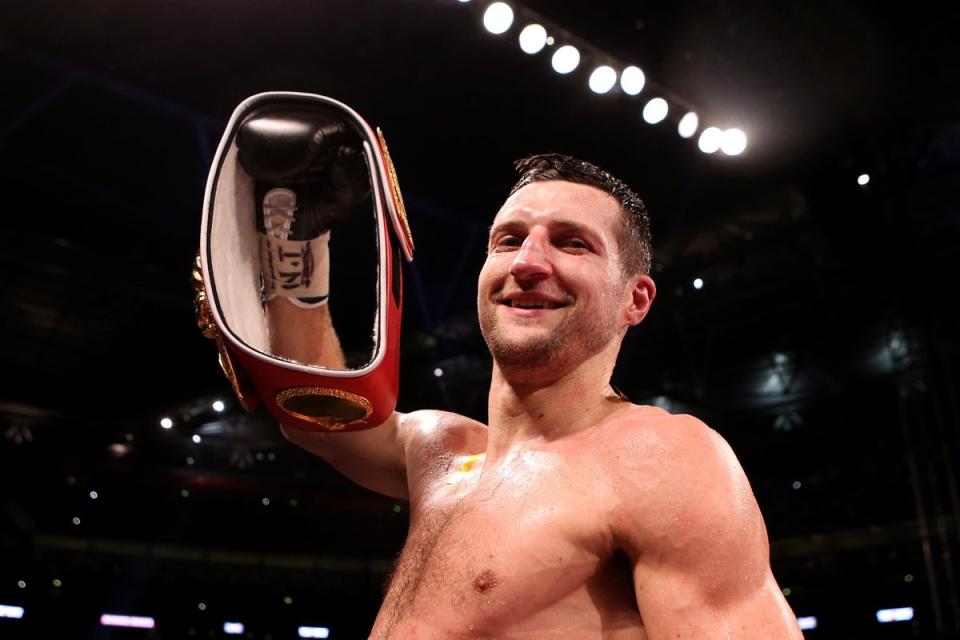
x=498, y=18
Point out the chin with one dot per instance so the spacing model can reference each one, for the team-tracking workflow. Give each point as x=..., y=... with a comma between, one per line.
x=527, y=352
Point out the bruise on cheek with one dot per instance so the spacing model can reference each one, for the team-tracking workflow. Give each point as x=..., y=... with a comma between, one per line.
x=485, y=581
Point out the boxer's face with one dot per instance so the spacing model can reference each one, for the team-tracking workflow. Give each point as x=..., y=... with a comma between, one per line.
x=551, y=290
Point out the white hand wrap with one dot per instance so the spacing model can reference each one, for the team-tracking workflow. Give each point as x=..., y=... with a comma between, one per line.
x=296, y=269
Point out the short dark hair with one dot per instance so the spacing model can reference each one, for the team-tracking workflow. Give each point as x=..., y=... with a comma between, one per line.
x=634, y=236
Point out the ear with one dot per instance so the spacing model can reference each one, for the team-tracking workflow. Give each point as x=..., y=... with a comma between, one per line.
x=642, y=291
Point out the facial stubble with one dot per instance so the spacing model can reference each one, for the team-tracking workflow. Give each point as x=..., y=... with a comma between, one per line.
x=577, y=336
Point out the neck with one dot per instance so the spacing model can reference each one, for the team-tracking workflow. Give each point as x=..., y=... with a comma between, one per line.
x=548, y=403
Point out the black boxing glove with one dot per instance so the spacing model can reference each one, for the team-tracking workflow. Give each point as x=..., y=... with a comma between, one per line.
x=309, y=172
x=288, y=144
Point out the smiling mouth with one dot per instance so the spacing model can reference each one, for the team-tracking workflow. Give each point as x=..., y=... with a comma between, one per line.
x=531, y=304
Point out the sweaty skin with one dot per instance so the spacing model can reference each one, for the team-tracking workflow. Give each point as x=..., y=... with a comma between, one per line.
x=574, y=514
x=520, y=548
x=549, y=542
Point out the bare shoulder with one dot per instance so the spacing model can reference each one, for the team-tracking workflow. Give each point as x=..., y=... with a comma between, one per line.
x=645, y=435
x=429, y=436
x=676, y=469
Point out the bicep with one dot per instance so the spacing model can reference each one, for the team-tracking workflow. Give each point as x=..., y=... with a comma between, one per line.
x=681, y=605
x=699, y=547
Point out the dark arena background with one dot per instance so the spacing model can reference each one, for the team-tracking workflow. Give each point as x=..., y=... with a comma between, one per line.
x=806, y=308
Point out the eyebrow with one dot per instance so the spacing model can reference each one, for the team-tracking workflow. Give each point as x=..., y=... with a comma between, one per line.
x=510, y=225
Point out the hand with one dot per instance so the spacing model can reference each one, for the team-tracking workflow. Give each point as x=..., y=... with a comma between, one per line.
x=314, y=156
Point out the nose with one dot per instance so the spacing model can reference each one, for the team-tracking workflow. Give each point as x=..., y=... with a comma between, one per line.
x=532, y=261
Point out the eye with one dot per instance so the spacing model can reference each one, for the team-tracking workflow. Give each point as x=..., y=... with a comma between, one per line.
x=506, y=242
x=574, y=243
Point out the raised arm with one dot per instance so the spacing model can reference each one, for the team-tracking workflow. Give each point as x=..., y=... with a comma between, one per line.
x=373, y=458
x=298, y=180
x=298, y=203
x=303, y=335
x=697, y=542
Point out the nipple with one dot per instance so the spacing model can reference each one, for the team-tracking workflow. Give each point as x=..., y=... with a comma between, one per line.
x=485, y=581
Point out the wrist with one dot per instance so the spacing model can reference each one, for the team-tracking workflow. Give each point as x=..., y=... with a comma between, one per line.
x=298, y=270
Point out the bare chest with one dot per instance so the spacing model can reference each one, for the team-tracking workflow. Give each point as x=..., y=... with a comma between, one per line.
x=506, y=551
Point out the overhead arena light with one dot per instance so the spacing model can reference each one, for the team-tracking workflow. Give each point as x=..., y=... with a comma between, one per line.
x=137, y=622
x=233, y=628
x=863, y=179
x=565, y=59
x=632, y=80
x=533, y=38
x=900, y=614
x=655, y=111
x=807, y=623
x=710, y=140
x=166, y=423
x=313, y=632
x=498, y=17
x=602, y=79
x=734, y=142
x=688, y=125
x=11, y=611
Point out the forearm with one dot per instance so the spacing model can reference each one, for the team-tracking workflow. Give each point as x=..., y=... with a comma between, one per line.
x=304, y=335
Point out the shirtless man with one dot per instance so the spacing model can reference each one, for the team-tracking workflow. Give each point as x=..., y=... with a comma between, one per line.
x=574, y=513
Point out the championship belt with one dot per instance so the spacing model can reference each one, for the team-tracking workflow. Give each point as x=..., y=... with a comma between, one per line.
x=298, y=280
